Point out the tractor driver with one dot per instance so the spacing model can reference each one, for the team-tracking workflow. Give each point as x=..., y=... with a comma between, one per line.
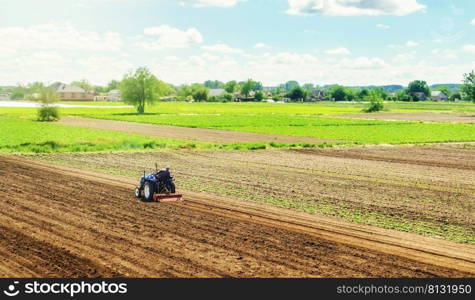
x=164, y=176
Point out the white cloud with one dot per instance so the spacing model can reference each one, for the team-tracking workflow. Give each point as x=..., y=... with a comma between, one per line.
x=58, y=37
x=363, y=63
x=354, y=7
x=445, y=54
x=261, y=46
x=469, y=49
x=338, y=51
x=403, y=58
x=221, y=48
x=60, y=52
x=275, y=68
x=408, y=44
x=51, y=66
x=169, y=37
x=383, y=26
x=473, y=22
x=6, y=52
x=210, y=3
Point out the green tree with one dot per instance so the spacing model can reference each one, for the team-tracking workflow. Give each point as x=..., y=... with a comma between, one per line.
x=113, y=85
x=247, y=87
x=18, y=93
x=227, y=97
x=362, y=94
x=83, y=83
x=403, y=96
x=213, y=84
x=444, y=89
x=35, y=87
x=337, y=93
x=290, y=85
x=350, y=94
x=259, y=96
x=455, y=97
x=184, y=92
x=375, y=101
x=199, y=92
x=258, y=86
x=296, y=94
x=231, y=86
x=467, y=90
x=418, y=86
x=141, y=87
x=48, y=112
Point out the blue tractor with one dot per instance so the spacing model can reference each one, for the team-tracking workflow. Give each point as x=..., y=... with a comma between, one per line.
x=158, y=187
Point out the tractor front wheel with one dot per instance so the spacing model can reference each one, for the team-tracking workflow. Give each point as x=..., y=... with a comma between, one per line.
x=148, y=191
x=138, y=193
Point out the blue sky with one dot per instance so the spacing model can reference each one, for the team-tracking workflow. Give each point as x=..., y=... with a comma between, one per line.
x=351, y=42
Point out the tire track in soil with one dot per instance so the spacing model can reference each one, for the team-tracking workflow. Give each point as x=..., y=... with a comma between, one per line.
x=91, y=219
x=49, y=260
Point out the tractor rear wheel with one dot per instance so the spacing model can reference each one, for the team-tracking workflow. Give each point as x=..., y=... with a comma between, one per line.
x=148, y=191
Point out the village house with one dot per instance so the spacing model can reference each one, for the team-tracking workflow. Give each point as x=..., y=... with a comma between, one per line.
x=5, y=95
x=111, y=96
x=438, y=96
x=216, y=92
x=317, y=95
x=67, y=92
x=418, y=95
x=114, y=96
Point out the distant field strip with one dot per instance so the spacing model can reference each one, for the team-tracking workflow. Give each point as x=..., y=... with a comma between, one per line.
x=29, y=136
x=341, y=129
x=286, y=123
x=422, y=116
x=198, y=134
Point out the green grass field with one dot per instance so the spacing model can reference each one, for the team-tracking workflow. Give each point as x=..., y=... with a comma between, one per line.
x=347, y=130
x=20, y=132
x=320, y=108
x=29, y=136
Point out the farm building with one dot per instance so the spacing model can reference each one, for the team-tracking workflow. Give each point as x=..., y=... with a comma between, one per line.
x=439, y=96
x=317, y=95
x=216, y=92
x=5, y=95
x=113, y=96
x=418, y=95
x=69, y=92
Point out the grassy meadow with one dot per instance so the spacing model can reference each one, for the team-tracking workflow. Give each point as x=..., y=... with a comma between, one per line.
x=21, y=133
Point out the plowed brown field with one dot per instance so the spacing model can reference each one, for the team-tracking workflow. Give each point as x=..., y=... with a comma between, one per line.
x=424, y=189
x=57, y=221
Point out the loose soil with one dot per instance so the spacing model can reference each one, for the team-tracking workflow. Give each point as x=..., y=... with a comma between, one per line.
x=424, y=189
x=63, y=222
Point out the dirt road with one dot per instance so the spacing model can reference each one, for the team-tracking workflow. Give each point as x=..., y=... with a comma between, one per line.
x=184, y=133
x=59, y=222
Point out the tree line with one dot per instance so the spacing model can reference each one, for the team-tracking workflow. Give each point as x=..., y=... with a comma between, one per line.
x=140, y=87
